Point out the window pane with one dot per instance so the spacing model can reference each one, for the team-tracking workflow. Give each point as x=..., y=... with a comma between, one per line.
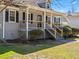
x=12, y=15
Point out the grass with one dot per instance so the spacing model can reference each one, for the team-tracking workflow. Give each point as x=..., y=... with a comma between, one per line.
x=43, y=49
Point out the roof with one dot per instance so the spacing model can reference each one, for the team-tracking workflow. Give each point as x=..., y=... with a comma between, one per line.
x=31, y=2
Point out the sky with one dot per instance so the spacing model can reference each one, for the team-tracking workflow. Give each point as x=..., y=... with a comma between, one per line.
x=65, y=5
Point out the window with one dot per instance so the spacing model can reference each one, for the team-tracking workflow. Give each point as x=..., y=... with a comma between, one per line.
x=6, y=15
x=48, y=19
x=48, y=5
x=12, y=15
x=42, y=5
x=57, y=20
x=39, y=17
x=17, y=16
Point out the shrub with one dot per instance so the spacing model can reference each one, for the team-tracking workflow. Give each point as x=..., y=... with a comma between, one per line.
x=75, y=31
x=67, y=31
x=34, y=34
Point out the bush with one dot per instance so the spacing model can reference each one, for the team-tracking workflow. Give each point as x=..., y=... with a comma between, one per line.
x=67, y=31
x=75, y=31
x=34, y=34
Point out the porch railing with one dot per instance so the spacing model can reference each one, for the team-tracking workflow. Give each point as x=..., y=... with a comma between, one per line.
x=55, y=31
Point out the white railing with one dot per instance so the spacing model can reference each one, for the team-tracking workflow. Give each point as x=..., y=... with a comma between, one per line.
x=60, y=29
x=54, y=29
x=51, y=30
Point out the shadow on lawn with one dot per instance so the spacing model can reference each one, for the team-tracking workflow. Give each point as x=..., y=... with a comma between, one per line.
x=33, y=46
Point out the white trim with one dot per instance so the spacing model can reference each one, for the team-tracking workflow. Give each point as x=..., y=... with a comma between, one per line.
x=51, y=21
x=44, y=19
x=44, y=23
x=14, y=8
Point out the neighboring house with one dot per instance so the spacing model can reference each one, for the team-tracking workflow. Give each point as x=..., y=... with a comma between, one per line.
x=74, y=20
x=32, y=14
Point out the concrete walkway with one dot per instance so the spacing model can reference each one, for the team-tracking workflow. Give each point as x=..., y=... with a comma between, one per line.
x=68, y=41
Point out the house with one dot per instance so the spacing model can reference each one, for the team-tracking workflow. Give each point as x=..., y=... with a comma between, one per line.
x=27, y=15
x=74, y=20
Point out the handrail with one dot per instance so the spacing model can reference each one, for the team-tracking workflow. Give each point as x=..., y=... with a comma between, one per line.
x=56, y=30
x=52, y=29
x=50, y=26
x=59, y=30
x=57, y=27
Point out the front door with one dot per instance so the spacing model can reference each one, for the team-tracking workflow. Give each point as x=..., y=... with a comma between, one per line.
x=39, y=21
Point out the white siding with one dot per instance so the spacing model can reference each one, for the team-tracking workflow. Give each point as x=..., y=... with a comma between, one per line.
x=74, y=21
x=11, y=30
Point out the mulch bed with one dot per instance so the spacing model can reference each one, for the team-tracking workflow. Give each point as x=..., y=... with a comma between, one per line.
x=25, y=41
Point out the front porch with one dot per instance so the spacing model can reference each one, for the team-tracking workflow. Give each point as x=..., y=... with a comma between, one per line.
x=27, y=18
x=44, y=19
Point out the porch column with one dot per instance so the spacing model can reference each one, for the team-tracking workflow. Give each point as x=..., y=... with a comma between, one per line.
x=3, y=25
x=44, y=23
x=51, y=21
x=27, y=12
x=44, y=19
x=54, y=26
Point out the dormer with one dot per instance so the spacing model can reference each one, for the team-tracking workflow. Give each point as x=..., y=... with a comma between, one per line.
x=44, y=3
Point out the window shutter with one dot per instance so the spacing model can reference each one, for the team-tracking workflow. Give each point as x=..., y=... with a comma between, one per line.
x=6, y=16
x=17, y=16
x=31, y=16
x=23, y=15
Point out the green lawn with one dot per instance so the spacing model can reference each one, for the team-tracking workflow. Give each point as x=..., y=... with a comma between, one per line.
x=39, y=50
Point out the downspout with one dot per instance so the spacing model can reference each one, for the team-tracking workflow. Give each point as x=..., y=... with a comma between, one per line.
x=4, y=24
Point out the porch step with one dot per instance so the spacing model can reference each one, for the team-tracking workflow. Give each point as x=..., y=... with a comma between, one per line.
x=58, y=36
x=51, y=32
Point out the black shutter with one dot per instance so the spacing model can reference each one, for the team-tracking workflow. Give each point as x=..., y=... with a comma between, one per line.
x=31, y=16
x=46, y=19
x=17, y=16
x=23, y=15
x=6, y=16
